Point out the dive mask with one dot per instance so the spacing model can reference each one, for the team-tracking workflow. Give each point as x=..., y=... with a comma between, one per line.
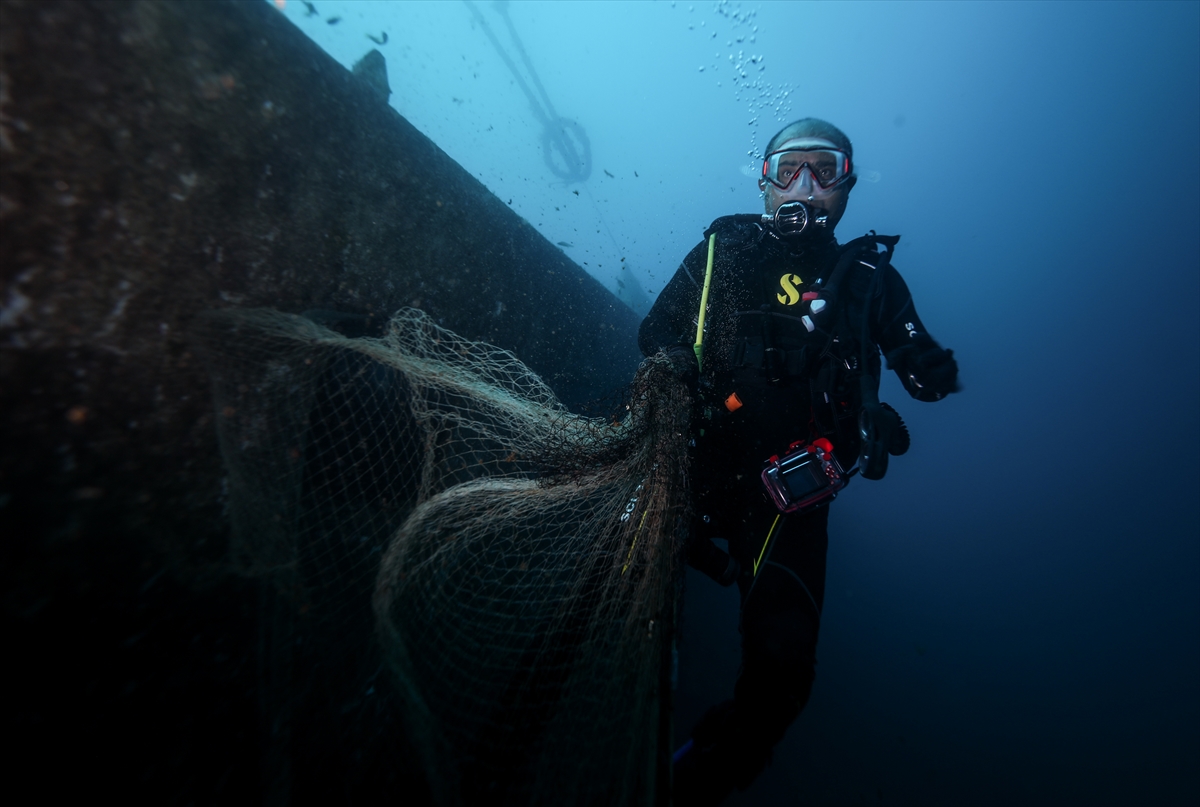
x=823, y=169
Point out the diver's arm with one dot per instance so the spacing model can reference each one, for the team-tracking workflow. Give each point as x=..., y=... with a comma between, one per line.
x=672, y=318
x=926, y=370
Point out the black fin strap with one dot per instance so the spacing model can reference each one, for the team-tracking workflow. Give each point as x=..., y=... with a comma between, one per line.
x=901, y=439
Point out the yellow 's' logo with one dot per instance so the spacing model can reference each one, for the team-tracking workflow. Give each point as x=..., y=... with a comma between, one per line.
x=789, y=283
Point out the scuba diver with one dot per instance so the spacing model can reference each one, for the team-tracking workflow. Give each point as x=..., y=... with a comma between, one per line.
x=784, y=371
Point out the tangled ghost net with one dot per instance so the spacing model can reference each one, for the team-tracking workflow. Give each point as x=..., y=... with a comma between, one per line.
x=514, y=566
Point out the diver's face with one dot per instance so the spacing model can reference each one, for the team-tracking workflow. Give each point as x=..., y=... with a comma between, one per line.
x=809, y=170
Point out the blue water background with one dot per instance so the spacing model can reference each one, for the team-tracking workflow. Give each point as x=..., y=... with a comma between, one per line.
x=1013, y=614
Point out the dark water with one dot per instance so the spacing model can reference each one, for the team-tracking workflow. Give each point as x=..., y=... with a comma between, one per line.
x=1013, y=615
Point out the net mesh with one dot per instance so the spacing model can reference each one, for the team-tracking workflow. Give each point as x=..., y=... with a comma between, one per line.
x=513, y=566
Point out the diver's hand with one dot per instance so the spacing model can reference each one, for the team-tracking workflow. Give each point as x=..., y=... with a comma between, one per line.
x=928, y=371
x=683, y=362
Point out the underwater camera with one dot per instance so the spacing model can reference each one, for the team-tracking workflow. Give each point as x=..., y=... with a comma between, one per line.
x=806, y=476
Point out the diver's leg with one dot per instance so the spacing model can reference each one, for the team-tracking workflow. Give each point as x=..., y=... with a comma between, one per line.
x=781, y=617
x=781, y=608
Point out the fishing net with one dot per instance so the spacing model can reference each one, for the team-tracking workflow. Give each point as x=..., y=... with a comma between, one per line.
x=514, y=567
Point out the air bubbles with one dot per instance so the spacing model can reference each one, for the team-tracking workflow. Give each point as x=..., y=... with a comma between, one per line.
x=762, y=99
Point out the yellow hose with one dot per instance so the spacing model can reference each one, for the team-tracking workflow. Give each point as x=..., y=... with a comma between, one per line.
x=699, y=346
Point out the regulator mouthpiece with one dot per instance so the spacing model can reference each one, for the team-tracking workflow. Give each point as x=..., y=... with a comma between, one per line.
x=795, y=219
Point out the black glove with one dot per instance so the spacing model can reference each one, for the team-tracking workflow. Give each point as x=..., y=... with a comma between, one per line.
x=683, y=362
x=928, y=371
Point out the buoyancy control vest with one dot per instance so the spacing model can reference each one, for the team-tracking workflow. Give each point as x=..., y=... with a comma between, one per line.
x=814, y=338
x=845, y=386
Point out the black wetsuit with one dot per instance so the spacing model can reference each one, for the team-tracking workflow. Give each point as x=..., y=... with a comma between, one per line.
x=794, y=384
